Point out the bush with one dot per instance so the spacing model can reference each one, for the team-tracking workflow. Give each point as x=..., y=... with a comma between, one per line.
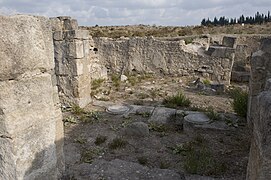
x=96, y=83
x=240, y=101
x=177, y=100
x=117, y=143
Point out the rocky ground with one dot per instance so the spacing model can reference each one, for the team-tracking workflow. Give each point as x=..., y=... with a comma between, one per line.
x=127, y=132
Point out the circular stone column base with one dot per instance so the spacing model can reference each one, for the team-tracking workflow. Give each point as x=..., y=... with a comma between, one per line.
x=118, y=109
x=191, y=121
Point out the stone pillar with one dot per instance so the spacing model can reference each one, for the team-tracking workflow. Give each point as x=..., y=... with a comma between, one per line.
x=31, y=132
x=72, y=58
x=259, y=114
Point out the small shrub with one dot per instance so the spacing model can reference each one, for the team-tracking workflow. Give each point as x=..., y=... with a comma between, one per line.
x=240, y=101
x=142, y=95
x=75, y=109
x=142, y=160
x=100, y=140
x=117, y=143
x=206, y=82
x=132, y=80
x=116, y=80
x=177, y=100
x=81, y=140
x=143, y=114
x=164, y=165
x=212, y=114
x=96, y=83
x=87, y=156
x=69, y=120
x=188, y=40
x=157, y=127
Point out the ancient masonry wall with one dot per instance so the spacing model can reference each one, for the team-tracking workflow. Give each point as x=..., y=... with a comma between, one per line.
x=259, y=114
x=31, y=128
x=76, y=61
x=169, y=57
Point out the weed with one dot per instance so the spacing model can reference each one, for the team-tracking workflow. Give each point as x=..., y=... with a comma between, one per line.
x=138, y=102
x=75, y=109
x=81, y=140
x=96, y=83
x=116, y=80
x=90, y=117
x=202, y=162
x=142, y=160
x=212, y=114
x=182, y=148
x=240, y=101
x=177, y=100
x=100, y=140
x=206, y=82
x=126, y=122
x=188, y=40
x=142, y=95
x=132, y=80
x=164, y=165
x=157, y=127
x=114, y=128
x=87, y=156
x=70, y=120
x=154, y=93
x=143, y=114
x=117, y=143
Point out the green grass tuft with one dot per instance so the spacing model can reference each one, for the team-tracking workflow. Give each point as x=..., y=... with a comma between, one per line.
x=178, y=100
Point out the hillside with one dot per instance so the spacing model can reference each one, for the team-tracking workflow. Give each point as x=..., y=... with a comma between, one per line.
x=173, y=31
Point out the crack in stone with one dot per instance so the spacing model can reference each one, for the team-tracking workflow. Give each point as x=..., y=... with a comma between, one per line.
x=5, y=136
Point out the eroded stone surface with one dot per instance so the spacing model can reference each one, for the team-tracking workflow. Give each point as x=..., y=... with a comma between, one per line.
x=29, y=105
x=162, y=115
x=117, y=169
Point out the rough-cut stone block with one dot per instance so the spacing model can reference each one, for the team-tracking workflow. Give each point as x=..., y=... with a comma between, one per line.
x=229, y=41
x=259, y=166
x=162, y=115
x=58, y=35
x=21, y=34
x=28, y=115
x=77, y=34
x=28, y=101
x=76, y=49
x=70, y=24
x=56, y=24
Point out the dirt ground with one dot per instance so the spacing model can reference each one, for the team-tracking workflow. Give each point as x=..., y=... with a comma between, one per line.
x=93, y=134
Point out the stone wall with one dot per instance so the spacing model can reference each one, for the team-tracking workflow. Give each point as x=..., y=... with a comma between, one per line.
x=168, y=57
x=75, y=60
x=259, y=114
x=31, y=129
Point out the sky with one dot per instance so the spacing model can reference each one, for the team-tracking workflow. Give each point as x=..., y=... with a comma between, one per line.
x=134, y=12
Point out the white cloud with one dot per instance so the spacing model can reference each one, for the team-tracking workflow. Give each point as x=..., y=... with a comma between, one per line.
x=123, y=12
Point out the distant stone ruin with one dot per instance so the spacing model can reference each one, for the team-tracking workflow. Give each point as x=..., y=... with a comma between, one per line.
x=167, y=57
x=48, y=61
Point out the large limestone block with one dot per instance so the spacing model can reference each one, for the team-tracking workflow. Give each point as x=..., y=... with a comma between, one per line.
x=21, y=34
x=28, y=117
x=77, y=34
x=259, y=166
x=76, y=49
x=229, y=41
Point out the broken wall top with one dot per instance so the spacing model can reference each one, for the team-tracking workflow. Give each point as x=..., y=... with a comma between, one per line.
x=20, y=34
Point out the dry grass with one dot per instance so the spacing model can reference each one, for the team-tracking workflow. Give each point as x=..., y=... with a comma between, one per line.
x=174, y=31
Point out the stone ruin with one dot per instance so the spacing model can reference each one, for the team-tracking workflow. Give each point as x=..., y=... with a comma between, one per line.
x=167, y=57
x=31, y=128
x=48, y=61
